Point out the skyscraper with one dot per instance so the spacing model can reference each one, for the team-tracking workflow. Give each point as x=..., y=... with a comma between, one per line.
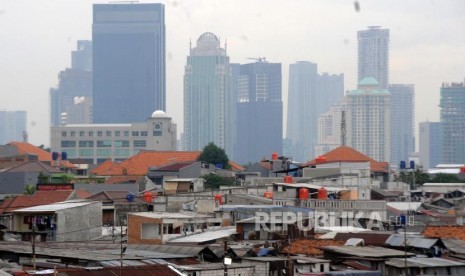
x=330, y=129
x=71, y=101
x=452, y=117
x=402, y=122
x=207, y=96
x=310, y=95
x=12, y=126
x=259, y=124
x=369, y=120
x=373, y=55
x=430, y=144
x=128, y=61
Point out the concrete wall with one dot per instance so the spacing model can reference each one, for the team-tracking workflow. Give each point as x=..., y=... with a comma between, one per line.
x=79, y=223
x=261, y=268
x=14, y=182
x=244, y=271
x=135, y=229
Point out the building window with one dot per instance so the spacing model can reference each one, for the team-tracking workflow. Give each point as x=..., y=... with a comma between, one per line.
x=157, y=129
x=122, y=152
x=63, y=134
x=135, y=133
x=117, y=133
x=86, y=152
x=140, y=143
x=86, y=144
x=108, y=133
x=91, y=134
x=73, y=134
x=103, y=152
x=144, y=133
x=68, y=144
x=99, y=133
x=126, y=134
x=122, y=143
x=81, y=133
x=104, y=144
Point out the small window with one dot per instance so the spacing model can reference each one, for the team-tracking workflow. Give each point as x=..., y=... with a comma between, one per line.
x=117, y=133
x=63, y=134
x=108, y=133
x=135, y=133
x=143, y=133
x=73, y=134
x=126, y=133
x=81, y=133
x=99, y=133
x=91, y=134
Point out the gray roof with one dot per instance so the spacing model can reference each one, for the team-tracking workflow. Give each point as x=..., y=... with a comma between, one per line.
x=398, y=240
x=454, y=245
x=224, y=232
x=366, y=251
x=423, y=262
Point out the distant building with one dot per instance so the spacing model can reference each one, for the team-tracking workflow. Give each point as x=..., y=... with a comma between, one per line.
x=71, y=101
x=99, y=142
x=208, y=100
x=329, y=129
x=373, y=55
x=430, y=144
x=452, y=119
x=310, y=95
x=259, y=124
x=369, y=120
x=402, y=122
x=13, y=126
x=128, y=61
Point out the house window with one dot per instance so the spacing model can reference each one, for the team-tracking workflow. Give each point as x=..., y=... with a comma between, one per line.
x=63, y=134
x=117, y=133
x=81, y=133
x=68, y=144
x=99, y=133
x=108, y=133
x=86, y=144
x=140, y=143
x=91, y=134
x=135, y=133
x=126, y=133
x=73, y=133
x=144, y=133
x=122, y=143
x=104, y=144
x=150, y=231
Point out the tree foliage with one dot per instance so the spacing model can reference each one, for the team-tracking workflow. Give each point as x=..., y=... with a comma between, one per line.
x=29, y=189
x=213, y=154
x=213, y=181
x=420, y=177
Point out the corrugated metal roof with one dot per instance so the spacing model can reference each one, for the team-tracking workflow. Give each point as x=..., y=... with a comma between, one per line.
x=208, y=235
x=423, y=262
x=397, y=240
x=455, y=245
x=404, y=206
x=54, y=207
x=366, y=251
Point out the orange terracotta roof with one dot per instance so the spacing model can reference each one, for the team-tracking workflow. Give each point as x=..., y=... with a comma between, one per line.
x=82, y=193
x=108, y=164
x=348, y=154
x=38, y=198
x=122, y=179
x=235, y=167
x=452, y=231
x=310, y=247
x=42, y=155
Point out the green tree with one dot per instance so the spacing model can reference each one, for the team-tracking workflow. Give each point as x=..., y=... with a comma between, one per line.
x=445, y=178
x=213, y=154
x=29, y=190
x=213, y=181
x=419, y=176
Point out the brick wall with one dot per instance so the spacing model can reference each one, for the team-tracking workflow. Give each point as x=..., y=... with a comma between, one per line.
x=134, y=229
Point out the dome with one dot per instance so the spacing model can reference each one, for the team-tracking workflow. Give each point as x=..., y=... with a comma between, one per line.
x=208, y=37
x=159, y=114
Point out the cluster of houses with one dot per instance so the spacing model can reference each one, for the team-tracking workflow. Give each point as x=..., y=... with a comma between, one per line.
x=339, y=214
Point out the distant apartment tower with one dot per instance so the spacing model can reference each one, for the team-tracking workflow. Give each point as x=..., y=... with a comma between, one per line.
x=402, y=122
x=369, y=120
x=207, y=96
x=373, y=55
x=452, y=117
x=310, y=95
x=128, y=61
x=71, y=101
x=13, y=126
x=330, y=129
x=430, y=144
x=259, y=124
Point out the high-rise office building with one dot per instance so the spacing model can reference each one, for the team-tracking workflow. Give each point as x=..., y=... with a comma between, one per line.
x=310, y=95
x=128, y=61
x=373, y=55
x=452, y=118
x=330, y=129
x=259, y=124
x=430, y=144
x=369, y=120
x=13, y=126
x=71, y=100
x=208, y=99
x=402, y=122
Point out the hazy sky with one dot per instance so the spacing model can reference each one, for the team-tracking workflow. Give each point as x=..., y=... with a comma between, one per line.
x=427, y=44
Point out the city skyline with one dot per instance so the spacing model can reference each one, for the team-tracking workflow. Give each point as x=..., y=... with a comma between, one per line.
x=40, y=36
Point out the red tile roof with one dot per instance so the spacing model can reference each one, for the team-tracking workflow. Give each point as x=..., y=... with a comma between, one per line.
x=82, y=193
x=38, y=198
x=348, y=154
x=42, y=155
x=236, y=167
x=457, y=232
x=142, y=161
x=117, y=179
x=114, y=197
x=310, y=247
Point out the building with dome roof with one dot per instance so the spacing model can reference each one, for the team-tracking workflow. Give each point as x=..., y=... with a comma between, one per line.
x=96, y=143
x=208, y=101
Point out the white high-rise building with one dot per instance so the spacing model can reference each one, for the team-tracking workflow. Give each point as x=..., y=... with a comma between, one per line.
x=369, y=120
x=373, y=55
x=330, y=129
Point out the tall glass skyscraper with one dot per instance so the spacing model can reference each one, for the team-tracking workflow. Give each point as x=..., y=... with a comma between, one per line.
x=12, y=126
x=310, y=95
x=402, y=122
x=430, y=144
x=259, y=124
x=373, y=55
x=208, y=99
x=452, y=118
x=128, y=62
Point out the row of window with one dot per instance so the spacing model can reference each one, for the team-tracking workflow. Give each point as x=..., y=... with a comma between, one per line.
x=107, y=133
x=104, y=144
x=73, y=153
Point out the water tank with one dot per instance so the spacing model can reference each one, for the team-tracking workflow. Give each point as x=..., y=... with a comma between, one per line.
x=462, y=170
x=219, y=199
x=64, y=156
x=268, y=194
x=130, y=197
x=148, y=197
x=303, y=193
x=274, y=156
x=55, y=155
x=288, y=179
x=320, y=159
x=322, y=193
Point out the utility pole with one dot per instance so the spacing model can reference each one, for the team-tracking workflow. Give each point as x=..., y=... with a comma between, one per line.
x=34, y=247
x=224, y=257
